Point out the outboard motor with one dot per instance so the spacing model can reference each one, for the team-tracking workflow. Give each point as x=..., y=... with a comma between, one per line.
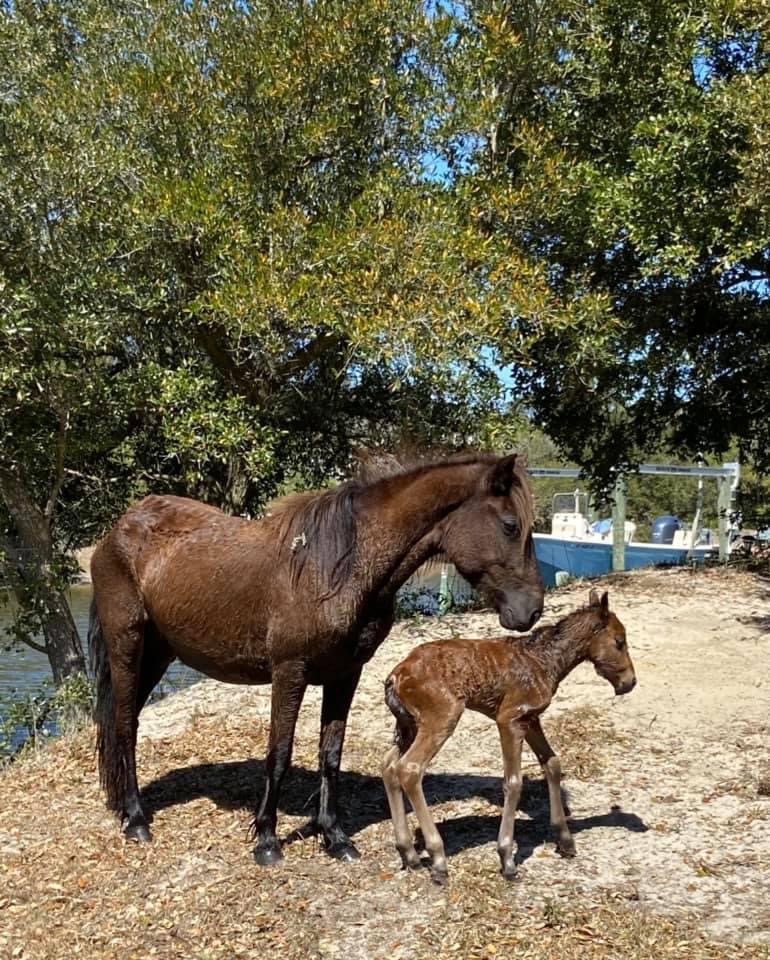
x=664, y=528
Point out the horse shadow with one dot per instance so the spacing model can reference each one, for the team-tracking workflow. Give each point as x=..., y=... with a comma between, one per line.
x=236, y=785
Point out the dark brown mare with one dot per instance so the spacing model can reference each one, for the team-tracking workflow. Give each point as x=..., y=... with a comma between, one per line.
x=303, y=596
x=511, y=680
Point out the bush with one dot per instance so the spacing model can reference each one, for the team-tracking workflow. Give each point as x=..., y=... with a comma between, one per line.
x=32, y=719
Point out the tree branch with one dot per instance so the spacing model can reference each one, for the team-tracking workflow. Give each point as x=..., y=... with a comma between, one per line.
x=35, y=646
x=307, y=355
x=61, y=447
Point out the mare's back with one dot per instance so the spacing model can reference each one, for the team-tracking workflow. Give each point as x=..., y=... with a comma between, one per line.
x=168, y=538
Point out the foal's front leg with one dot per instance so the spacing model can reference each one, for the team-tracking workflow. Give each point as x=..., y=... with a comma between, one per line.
x=289, y=686
x=552, y=770
x=511, y=739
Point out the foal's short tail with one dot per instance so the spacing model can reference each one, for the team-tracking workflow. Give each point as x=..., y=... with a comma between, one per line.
x=406, y=728
x=112, y=773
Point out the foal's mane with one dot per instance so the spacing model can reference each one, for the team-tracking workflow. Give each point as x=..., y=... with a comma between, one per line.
x=321, y=526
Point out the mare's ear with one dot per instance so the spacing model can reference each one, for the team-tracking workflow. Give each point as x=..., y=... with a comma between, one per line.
x=593, y=599
x=502, y=476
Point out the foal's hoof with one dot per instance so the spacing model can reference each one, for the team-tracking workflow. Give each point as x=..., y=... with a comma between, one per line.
x=411, y=862
x=566, y=847
x=268, y=854
x=510, y=873
x=343, y=850
x=439, y=877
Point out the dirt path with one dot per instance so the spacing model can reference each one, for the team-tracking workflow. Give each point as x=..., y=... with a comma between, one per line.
x=669, y=791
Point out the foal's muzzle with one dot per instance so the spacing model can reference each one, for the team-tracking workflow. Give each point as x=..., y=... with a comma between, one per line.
x=626, y=685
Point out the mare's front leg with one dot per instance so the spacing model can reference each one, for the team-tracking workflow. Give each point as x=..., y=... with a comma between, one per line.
x=289, y=687
x=337, y=698
x=512, y=740
x=552, y=770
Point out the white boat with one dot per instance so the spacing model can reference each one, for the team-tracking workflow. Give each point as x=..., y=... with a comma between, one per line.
x=577, y=548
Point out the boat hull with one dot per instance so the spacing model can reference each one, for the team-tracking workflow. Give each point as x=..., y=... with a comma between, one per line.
x=593, y=558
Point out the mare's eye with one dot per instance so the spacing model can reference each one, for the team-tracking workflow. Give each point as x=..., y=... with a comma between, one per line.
x=510, y=526
x=620, y=643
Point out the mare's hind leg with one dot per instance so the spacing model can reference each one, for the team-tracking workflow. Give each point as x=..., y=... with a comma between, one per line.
x=157, y=656
x=552, y=770
x=410, y=859
x=123, y=627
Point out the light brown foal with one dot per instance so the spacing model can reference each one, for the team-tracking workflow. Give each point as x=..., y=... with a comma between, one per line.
x=510, y=679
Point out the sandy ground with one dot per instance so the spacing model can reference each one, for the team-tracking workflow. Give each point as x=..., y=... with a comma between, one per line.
x=668, y=788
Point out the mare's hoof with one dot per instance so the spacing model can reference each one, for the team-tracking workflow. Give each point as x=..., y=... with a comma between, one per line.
x=344, y=851
x=510, y=873
x=566, y=848
x=137, y=833
x=439, y=877
x=268, y=854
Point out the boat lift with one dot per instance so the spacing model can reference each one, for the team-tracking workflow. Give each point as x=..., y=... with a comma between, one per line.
x=727, y=477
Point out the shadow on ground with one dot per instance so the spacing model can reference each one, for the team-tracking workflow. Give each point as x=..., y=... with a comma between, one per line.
x=235, y=786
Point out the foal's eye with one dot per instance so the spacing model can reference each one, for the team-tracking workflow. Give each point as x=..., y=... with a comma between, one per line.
x=510, y=526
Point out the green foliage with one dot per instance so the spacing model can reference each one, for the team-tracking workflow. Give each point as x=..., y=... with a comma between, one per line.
x=29, y=720
x=622, y=147
x=225, y=262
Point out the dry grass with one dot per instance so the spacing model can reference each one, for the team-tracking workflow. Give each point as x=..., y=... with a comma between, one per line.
x=581, y=736
x=71, y=887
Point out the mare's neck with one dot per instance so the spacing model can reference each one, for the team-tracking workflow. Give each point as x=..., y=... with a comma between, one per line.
x=400, y=515
x=561, y=646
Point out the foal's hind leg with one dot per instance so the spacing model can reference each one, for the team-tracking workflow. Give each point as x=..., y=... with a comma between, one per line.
x=552, y=770
x=411, y=769
x=410, y=859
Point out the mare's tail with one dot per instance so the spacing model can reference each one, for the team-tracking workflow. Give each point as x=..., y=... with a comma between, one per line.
x=112, y=772
x=406, y=727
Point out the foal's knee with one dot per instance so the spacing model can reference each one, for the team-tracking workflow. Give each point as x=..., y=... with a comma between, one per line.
x=553, y=768
x=388, y=767
x=409, y=774
x=512, y=789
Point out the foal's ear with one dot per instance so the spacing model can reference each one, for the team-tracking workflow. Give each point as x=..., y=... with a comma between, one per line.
x=593, y=599
x=604, y=603
x=502, y=476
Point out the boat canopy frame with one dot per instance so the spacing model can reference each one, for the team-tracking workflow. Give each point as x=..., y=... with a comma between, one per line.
x=727, y=478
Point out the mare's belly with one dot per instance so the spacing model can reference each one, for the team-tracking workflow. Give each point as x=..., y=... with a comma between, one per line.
x=252, y=670
x=216, y=649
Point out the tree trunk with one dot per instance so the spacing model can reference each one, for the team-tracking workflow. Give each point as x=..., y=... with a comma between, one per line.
x=35, y=543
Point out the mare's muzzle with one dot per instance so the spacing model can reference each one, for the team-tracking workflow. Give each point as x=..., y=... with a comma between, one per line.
x=518, y=611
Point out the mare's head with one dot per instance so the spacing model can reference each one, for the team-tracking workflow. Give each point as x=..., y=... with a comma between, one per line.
x=608, y=650
x=489, y=539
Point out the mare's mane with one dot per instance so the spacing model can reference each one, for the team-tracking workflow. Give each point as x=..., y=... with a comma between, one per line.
x=321, y=526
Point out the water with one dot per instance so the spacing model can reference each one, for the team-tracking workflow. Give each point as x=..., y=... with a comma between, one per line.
x=23, y=670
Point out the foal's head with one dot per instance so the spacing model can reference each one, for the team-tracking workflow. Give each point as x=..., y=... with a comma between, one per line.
x=489, y=540
x=608, y=650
